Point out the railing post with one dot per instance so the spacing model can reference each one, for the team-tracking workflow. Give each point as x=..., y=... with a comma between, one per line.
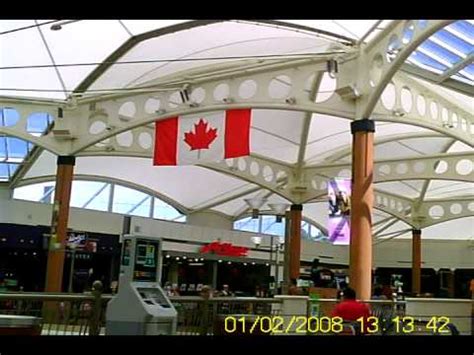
x=94, y=328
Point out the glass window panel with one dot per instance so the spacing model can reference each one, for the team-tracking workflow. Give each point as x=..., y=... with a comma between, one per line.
x=33, y=192
x=125, y=199
x=162, y=210
x=100, y=202
x=84, y=191
x=143, y=210
x=247, y=224
x=182, y=218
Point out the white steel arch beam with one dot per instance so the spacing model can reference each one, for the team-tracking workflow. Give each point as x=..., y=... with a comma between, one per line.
x=307, y=123
x=433, y=212
x=397, y=206
x=415, y=102
x=82, y=177
x=410, y=168
x=87, y=122
x=386, y=53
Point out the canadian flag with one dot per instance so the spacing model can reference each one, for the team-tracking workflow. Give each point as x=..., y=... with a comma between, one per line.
x=196, y=139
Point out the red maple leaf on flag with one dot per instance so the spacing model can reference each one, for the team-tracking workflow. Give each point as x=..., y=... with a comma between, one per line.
x=202, y=137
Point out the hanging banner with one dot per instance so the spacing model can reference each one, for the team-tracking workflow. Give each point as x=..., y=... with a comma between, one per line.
x=339, y=196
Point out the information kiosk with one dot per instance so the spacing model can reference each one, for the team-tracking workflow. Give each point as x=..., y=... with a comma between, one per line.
x=140, y=307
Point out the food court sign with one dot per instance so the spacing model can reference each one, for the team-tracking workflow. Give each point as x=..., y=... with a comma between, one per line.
x=224, y=249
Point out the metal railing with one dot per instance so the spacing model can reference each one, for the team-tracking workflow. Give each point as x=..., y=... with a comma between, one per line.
x=200, y=316
x=84, y=314
x=60, y=313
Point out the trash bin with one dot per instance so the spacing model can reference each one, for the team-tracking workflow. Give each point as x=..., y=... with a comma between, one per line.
x=19, y=325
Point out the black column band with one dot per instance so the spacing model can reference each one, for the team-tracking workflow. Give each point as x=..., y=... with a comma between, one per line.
x=297, y=207
x=364, y=125
x=416, y=231
x=66, y=160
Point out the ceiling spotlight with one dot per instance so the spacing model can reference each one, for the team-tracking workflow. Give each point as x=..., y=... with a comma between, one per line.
x=219, y=261
x=185, y=257
x=177, y=258
x=59, y=26
x=167, y=256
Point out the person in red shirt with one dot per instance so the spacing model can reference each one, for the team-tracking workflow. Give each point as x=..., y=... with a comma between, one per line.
x=350, y=309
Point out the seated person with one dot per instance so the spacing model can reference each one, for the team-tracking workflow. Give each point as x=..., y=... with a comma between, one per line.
x=350, y=309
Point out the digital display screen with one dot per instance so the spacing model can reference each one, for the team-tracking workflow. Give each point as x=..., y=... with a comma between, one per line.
x=127, y=245
x=146, y=261
x=339, y=198
x=154, y=295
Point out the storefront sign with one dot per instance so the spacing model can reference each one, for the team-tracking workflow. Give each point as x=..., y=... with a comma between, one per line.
x=224, y=249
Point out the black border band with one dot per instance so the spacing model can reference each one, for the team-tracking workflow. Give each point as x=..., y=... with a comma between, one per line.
x=66, y=160
x=363, y=125
x=297, y=207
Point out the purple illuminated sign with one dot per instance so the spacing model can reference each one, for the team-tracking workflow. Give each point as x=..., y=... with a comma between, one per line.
x=339, y=197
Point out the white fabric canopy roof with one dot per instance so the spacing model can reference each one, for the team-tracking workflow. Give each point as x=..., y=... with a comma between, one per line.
x=80, y=48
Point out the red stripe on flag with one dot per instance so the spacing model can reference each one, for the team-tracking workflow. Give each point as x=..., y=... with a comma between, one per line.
x=166, y=137
x=237, y=133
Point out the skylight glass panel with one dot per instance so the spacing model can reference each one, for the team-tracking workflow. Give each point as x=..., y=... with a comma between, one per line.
x=462, y=78
x=8, y=117
x=469, y=69
x=440, y=52
x=38, y=123
x=4, y=174
x=463, y=27
x=12, y=169
x=3, y=149
x=425, y=60
x=453, y=41
x=17, y=149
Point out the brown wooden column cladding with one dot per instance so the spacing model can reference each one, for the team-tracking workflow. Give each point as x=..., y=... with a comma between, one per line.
x=59, y=223
x=416, y=262
x=361, y=207
x=295, y=240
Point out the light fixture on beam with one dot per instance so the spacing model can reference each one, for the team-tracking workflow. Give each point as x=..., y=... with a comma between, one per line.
x=332, y=67
x=59, y=26
x=255, y=203
x=279, y=209
x=257, y=240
